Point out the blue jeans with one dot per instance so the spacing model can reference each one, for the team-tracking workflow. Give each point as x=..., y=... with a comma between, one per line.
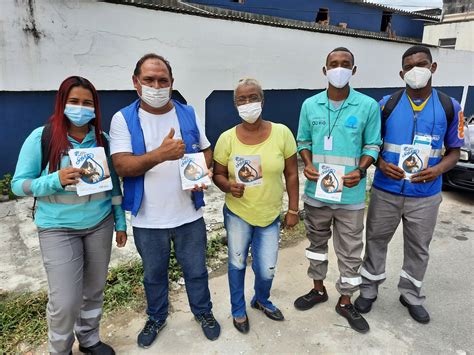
x=264, y=242
x=154, y=247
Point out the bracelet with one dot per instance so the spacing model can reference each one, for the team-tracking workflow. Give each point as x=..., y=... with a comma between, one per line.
x=293, y=212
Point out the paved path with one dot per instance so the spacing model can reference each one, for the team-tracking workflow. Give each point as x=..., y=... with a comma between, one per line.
x=448, y=285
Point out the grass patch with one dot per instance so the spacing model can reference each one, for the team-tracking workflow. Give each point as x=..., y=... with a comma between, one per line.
x=124, y=287
x=291, y=236
x=6, y=186
x=23, y=316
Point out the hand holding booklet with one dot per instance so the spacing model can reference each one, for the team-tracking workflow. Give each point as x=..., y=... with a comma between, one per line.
x=413, y=158
x=330, y=183
x=96, y=174
x=193, y=170
x=248, y=170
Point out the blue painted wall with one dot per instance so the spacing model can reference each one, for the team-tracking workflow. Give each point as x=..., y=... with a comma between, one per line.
x=356, y=16
x=21, y=112
x=407, y=26
x=282, y=106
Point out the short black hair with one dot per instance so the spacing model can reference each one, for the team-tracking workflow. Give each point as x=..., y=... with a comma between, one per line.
x=341, y=49
x=417, y=49
x=142, y=60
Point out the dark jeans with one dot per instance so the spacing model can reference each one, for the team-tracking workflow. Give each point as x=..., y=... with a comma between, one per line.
x=154, y=247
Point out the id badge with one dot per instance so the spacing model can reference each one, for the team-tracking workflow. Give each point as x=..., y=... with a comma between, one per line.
x=420, y=139
x=327, y=143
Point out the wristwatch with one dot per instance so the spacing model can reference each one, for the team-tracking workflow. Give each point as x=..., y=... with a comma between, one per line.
x=363, y=172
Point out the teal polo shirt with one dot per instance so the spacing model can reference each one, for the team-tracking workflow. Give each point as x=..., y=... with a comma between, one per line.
x=355, y=131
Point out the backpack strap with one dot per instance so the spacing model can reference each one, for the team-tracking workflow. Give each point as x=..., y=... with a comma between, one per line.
x=45, y=145
x=106, y=144
x=45, y=150
x=448, y=106
x=389, y=107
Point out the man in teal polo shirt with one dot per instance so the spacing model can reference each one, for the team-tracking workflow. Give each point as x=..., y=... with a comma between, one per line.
x=338, y=139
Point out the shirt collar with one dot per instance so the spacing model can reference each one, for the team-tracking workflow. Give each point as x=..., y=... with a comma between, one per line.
x=350, y=100
x=90, y=136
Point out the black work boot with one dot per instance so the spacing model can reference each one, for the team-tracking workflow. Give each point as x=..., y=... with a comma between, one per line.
x=364, y=305
x=356, y=321
x=417, y=312
x=97, y=349
x=312, y=298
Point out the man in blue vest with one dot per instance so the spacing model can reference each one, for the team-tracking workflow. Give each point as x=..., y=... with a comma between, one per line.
x=147, y=139
x=418, y=118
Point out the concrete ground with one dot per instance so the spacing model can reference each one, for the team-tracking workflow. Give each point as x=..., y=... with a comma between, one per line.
x=448, y=285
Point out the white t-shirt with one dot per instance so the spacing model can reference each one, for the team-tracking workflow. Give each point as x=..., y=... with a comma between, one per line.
x=164, y=204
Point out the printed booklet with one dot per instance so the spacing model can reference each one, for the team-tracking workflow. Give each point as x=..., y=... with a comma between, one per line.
x=248, y=170
x=413, y=158
x=330, y=184
x=193, y=170
x=96, y=176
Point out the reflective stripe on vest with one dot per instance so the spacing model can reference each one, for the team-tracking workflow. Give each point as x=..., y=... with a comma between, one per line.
x=396, y=148
x=332, y=159
x=73, y=199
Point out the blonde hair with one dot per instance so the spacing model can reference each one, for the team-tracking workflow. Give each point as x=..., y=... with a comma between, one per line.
x=249, y=82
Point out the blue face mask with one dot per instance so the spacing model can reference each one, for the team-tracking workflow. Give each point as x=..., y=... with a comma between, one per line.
x=79, y=115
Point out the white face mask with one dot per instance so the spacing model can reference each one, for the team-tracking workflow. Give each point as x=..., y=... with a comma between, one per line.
x=250, y=112
x=339, y=77
x=417, y=78
x=156, y=98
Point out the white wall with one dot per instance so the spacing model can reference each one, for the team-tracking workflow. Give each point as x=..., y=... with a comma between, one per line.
x=462, y=31
x=103, y=41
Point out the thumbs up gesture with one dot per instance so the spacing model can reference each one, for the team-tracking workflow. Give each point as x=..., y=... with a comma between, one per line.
x=170, y=148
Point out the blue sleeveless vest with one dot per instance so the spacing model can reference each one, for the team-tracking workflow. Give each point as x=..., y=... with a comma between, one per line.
x=133, y=187
x=399, y=129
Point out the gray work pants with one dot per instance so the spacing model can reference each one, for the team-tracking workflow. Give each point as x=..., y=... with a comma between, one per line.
x=419, y=220
x=347, y=228
x=76, y=263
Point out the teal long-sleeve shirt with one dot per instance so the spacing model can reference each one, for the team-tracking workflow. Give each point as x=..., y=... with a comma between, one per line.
x=60, y=212
x=355, y=131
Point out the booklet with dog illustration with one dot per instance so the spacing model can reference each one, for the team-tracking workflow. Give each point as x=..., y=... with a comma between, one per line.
x=413, y=158
x=330, y=183
x=193, y=170
x=248, y=170
x=96, y=174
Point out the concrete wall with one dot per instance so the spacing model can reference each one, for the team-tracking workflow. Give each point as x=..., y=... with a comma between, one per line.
x=457, y=6
x=462, y=31
x=41, y=45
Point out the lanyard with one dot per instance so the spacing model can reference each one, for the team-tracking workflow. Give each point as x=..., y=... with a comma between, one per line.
x=337, y=117
x=415, y=116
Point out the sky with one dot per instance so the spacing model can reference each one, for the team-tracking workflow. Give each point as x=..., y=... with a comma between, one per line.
x=411, y=5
